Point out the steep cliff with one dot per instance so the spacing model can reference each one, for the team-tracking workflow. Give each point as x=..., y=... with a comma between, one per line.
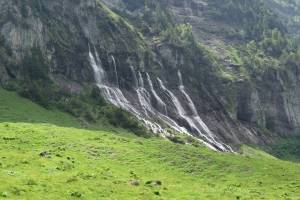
x=198, y=67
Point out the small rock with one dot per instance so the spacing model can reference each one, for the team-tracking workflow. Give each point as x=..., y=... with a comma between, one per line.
x=45, y=154
x=135, y=182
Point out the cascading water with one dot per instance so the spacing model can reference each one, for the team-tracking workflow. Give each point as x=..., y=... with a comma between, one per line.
x=99, y=73
x=112, y=94
x=144, y=97
x=115, y=70
x=141, y=80
x=115, y=96
x=159, y=101
x=197, y=119
x=192, y=121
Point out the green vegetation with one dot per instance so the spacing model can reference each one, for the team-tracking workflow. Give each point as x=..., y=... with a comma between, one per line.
x=44, y=161
x=79, y=112
x=255, y=59
x=180, y=35
x=13, y=108
x=41, y=160
x=264, y=41
x=287, y=149
x=252, y=15
x=45, y=153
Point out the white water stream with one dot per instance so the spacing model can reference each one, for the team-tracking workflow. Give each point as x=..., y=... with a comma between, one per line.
x=115, y=70
x=159, y=101
x=196, y=119
x=115, y=96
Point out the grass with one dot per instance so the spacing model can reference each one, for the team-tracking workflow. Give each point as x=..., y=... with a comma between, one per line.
x=67, y=163
x=44, y=161
x=13, y=108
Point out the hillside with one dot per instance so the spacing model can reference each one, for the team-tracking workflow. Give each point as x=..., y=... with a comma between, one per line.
x=51, y=162
x=226, y=73
x=42, y=160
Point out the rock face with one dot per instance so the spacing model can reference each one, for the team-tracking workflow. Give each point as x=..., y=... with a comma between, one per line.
x=85, y=42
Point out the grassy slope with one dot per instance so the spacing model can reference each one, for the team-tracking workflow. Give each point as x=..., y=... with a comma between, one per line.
x=82, y=164
x=13, y=108
x=102, y=165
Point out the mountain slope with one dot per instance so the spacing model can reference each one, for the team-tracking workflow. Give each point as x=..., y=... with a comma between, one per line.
x=226, y=73
x=42, y=160
x=67, y=163
x=254, y=76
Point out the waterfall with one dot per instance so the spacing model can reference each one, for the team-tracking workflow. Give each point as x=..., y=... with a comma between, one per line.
x=197, y=119
x=160, y=102
x=98, y=71
x=144, y=98
x=115, y=70
x=114, y=95
x=141, y=80
x=148, y=113
x=188, y=98
x=174, y=99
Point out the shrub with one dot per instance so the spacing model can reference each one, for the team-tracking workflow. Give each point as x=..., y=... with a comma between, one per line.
x=121, y=118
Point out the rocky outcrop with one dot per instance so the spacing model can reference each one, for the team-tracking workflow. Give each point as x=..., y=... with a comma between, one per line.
x=273, y=102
